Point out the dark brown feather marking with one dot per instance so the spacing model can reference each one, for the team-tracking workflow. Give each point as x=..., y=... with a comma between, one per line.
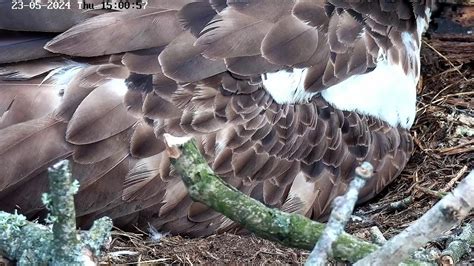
x=204, y=81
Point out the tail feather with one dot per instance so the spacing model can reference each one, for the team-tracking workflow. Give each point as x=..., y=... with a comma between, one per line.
x=21, y=101
x=17, y=47
x=28, y=148
x=27, y=197
x=103, y=191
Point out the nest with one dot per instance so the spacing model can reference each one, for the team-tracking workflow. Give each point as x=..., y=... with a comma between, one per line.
x=444, y=152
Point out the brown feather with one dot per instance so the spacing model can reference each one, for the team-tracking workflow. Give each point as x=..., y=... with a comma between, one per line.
x=144, y=171
x=287, y=42
x=42, y=19
x=194, y=16
x=250, y=65
x=103, y=191
x=88, y=174
x=182, y=61
x=95, y=152
x=143, y=61
x=144, y=143
x=118, y=32
x=26, y=198
x=100, y=116
x=21, y=101
x=30, y=69
x=232, y=34
x=36, y=144
x=263, y=9
x=311, y=12
x=16, y=47
x=170, y=4
x=156, y=107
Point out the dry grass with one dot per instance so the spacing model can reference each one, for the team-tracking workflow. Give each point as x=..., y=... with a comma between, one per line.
x=225, y=248
x=443, y=134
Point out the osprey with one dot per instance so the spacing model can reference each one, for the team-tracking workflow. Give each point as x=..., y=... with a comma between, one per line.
x=285, y=98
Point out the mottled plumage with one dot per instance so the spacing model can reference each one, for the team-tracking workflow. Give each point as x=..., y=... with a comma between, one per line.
x=265, y=87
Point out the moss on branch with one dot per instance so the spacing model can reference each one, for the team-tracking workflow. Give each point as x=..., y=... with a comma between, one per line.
x=289, y=229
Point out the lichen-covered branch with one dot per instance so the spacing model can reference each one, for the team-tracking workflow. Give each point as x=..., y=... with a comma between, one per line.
x=447, y=213
x=60, y=244
x=459, y=246
x=31, y=243
x=297, y=231
x=24, y=241
x=343, y=206
x=377, y=236
x=290, y=229
x=62, y=214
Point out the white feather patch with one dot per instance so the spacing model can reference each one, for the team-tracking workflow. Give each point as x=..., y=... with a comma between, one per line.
x=386, y=92
x=287, y=86
x=63, y=76
x=173, y=141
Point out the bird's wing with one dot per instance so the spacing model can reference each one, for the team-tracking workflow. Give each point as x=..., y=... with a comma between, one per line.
x=193, y=68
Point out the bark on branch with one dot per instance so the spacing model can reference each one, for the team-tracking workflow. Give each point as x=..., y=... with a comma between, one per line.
x=343, y=206
x=289, y=229
x=297, y=231
x=60, y=244
x=447, y=213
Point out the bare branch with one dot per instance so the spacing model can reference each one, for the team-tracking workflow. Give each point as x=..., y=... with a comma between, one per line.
x=447, y=213
x=343, y=206
x=460, y=245
x=377, y=236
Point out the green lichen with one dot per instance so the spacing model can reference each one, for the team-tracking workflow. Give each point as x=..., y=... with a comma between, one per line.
x=289, y=229
x=292, y=230
x=58, y=244
x=97, y=234
x=23, y=240
x=62, y=214
x=461, y=244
